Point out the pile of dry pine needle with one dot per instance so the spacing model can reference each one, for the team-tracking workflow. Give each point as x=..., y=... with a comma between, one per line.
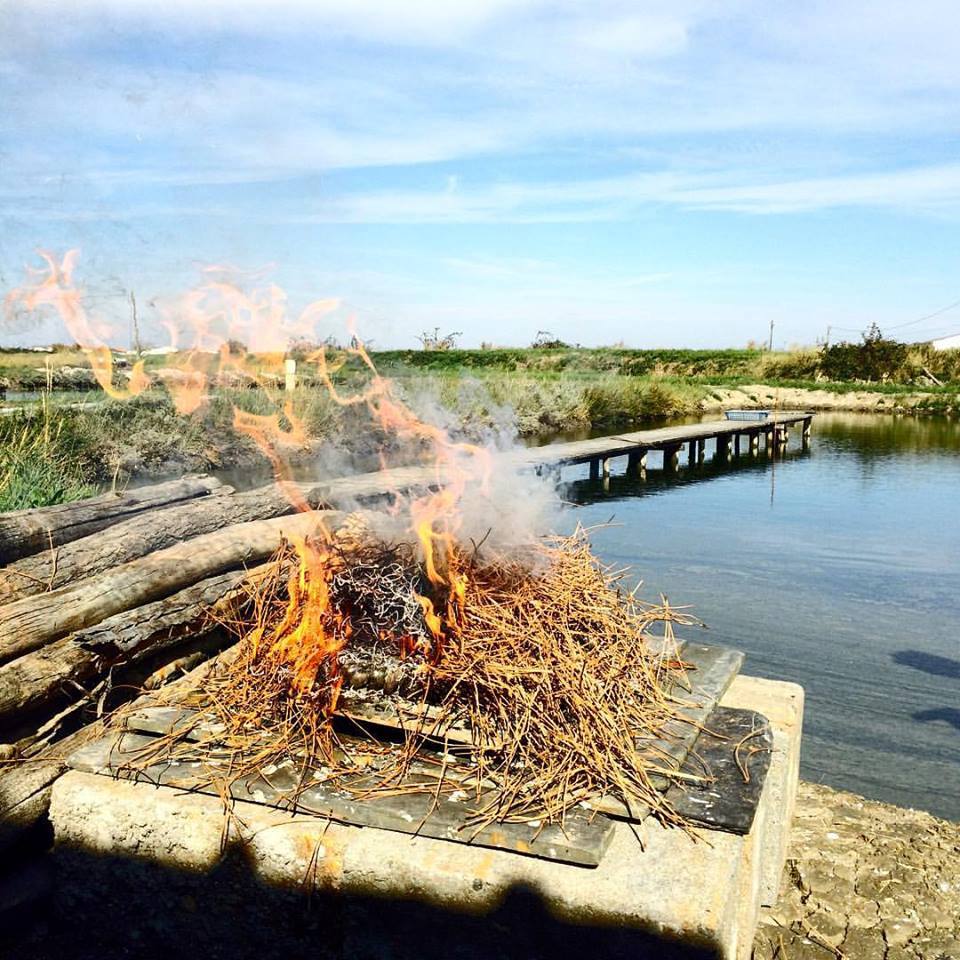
x=545, y=659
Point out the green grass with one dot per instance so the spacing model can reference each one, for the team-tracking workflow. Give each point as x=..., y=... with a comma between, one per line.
x=50, y=453
x=603, y=360
x=44, y=460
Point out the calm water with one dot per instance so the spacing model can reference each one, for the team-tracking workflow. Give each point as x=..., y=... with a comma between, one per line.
x=838, y=569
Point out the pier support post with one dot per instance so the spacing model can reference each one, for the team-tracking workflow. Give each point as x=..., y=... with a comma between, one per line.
x=805, y=434
x=594, y=469
x=637, y=463
x=723, y=448
x=671, y=456
x=736, y=445
x=754, y=444
x=605, y=465
x=701, y=451
x=768, y=441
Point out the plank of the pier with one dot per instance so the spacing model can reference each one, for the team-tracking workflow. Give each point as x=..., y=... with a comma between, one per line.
x=582, y=839
x=735, y=750
x=621, y=444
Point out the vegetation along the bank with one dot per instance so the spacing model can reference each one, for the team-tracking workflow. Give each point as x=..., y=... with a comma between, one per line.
x=60, y=438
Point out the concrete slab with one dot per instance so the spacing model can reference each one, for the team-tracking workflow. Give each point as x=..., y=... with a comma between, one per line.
x=259, y=882
x=782, y=704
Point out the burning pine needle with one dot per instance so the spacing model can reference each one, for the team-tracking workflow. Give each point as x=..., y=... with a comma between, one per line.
x=525, y=682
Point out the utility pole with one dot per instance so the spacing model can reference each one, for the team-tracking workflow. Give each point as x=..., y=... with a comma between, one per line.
x=770, y=344
x=827, y=342
x=135, y=327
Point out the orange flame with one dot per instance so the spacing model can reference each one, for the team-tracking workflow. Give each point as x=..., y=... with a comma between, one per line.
x=202, y=325
x=54, y=287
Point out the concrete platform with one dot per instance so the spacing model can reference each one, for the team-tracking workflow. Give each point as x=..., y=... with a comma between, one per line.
x=147, y=871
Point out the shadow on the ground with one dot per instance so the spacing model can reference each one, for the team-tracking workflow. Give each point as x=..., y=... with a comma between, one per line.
x=949, y=715
x=929, y=663
x=114, y=907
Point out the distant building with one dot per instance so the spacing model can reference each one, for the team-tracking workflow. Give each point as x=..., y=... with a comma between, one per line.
x=947, y=343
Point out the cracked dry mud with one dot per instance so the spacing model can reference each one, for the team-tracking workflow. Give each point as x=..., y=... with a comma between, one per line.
x=864, y=881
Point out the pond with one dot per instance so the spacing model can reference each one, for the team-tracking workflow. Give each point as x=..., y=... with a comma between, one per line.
x=836, y=568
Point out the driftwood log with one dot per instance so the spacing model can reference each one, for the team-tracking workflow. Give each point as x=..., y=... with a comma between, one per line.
x=63, y=668
x=32, y=622
x=143, y=534
x=25, y=532
x=25, y=785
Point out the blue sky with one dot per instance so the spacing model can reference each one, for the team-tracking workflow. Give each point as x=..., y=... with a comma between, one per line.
x=662, y=174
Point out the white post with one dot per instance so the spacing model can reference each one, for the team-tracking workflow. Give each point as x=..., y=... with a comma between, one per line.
x=290, y=380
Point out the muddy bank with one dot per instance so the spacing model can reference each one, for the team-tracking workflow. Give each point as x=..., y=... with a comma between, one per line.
x=761, y=395
x=866, y=881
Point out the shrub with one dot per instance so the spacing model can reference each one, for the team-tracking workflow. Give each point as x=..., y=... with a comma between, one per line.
x=875, y=358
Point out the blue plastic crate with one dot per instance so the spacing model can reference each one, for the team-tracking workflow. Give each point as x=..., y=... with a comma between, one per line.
x=747, y=414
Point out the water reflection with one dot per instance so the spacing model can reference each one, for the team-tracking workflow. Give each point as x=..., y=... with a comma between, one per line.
x=656, y=482
x=845, y=582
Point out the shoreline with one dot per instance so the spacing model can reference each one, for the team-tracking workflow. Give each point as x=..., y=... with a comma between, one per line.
x=760, y=395
x=89, y=443
x=864, y=880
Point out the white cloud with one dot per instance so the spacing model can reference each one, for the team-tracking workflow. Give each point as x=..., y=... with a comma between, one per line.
x=261, y=90
x=929, y=189
x=932, y=189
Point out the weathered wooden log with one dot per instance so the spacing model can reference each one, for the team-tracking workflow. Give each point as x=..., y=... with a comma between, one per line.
x=30, y=623
x=25, y=785
x=25, y=532
x=143, y=534
x=67, y=665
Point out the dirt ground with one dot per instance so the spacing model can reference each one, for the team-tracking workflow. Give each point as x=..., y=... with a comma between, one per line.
x=792, y=398
x=864, y=881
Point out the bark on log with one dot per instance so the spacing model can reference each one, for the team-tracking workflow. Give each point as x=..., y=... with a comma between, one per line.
x=25, y=532
x=44, y=675
x=25, y=786
x=30, y=623
x=143, y=534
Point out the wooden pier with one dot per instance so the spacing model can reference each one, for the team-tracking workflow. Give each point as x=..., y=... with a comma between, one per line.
x=730, y=438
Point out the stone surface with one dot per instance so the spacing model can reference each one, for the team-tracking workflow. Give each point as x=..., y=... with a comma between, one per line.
x=887, y=877
x=135, y=857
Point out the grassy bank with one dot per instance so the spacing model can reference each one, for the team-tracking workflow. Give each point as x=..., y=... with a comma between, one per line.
x=50, y=453
x=45, y=459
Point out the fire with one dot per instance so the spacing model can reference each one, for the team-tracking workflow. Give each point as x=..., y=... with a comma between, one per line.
x=312, y=632
x=54, y=287
x=204, y=325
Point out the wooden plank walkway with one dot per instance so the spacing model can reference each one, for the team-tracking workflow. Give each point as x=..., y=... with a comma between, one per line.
x=728, y=435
